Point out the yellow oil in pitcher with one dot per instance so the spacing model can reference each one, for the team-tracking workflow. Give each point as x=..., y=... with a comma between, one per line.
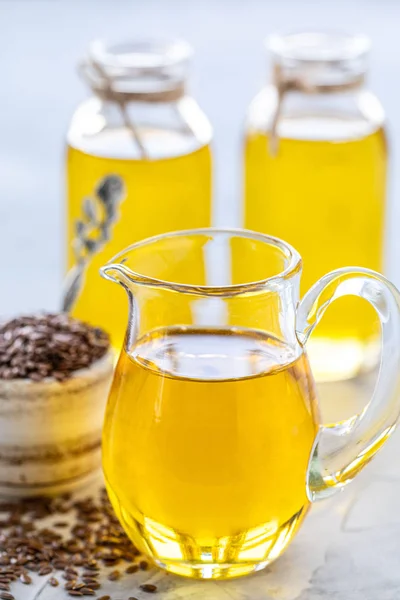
x=138, y=165
x=218, y=425
x=315, y=175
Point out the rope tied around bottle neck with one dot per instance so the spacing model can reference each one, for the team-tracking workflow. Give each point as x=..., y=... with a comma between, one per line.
x=103, y=85
x=285, y=84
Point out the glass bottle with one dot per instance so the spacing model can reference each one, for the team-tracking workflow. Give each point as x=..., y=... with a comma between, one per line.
x=315, y=175
x=138, y=164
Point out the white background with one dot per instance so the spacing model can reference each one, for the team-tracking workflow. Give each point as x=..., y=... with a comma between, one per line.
x=40, y=44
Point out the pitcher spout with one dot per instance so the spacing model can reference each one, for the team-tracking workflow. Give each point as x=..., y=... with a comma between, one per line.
x=117, y=273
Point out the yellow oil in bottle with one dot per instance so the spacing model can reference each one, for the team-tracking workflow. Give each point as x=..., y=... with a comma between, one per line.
x=206, y=443
x=326, y=197
x=161, y=194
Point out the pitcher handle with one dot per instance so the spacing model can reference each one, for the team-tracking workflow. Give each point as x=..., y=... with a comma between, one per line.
x=341, y=451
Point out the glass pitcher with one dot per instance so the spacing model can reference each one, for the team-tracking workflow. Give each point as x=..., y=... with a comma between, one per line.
x=315, y=175
x=213, y=447
x=138, y=164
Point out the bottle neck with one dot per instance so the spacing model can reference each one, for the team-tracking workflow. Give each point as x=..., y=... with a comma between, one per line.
x=320, y=61
x=310, y=81
x=113, y=89
x=153, y=86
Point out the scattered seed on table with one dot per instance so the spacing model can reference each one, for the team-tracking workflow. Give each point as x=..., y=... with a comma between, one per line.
x=130, y=598
x=6, y=596
x=24, y=577
x=45, y=571
x=95, y=572
x=69, y=576
x=5, y=587
x=90, y=574
x=78, y=586
x=144, y=565
x=75, y=593
x=95, y=585
x=104, y=598
x=148, y=587
x=53, y=581
x=87, y=591
x=114, y=575
x=132, y=569
x=59, y=564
